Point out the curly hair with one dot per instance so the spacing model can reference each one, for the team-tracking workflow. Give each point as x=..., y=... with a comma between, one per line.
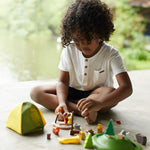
x=89, y=18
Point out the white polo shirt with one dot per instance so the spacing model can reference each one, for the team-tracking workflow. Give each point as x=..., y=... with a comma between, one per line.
x=90, y=73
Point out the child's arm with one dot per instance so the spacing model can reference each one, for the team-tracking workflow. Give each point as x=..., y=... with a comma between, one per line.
x=62, y=90
x=95, y=102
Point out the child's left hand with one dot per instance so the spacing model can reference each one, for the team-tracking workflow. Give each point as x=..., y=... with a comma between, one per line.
x=87, y=105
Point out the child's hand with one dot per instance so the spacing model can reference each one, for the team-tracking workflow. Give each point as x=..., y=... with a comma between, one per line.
x=88, y=105
x=63, y=108
x=60, y=110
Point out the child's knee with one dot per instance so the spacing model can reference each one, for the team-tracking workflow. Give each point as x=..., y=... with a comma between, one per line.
x=107, y=108
x=104, y=90
x=35, y=93
x=108, y=89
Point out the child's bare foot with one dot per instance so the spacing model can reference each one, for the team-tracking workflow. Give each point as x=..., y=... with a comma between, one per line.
x=91, y=117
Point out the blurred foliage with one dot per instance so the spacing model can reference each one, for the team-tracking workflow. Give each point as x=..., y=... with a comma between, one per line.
x=128, y=23
x=28, y=17
x=32, y=16
x=128, y=37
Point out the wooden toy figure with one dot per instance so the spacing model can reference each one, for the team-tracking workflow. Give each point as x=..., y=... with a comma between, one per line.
x=70, y=120
x=99, y=128
x=59, y=111
x=82, y=135
x=67, y=118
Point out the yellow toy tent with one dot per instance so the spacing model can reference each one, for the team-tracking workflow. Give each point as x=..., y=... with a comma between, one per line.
x=25, y=118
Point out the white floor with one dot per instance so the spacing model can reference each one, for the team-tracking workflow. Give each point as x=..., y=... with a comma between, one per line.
x=134, y=114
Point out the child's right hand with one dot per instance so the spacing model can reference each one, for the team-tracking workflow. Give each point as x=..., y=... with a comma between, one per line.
x=63, y=108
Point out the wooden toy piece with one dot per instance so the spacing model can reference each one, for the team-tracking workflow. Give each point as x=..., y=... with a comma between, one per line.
x=56, y=130
x=65, y=125
x=68, y=118
x=76, y=126
x=73, y=131
x=65, y=120
x=120, y=136
x=72, y=119
x=82, y=135
x=90, y=131
x=72, y=140
x=56, y=118
x=59, y=111
x=141, y=139
x=109, y=136
x=48, y=136
x=99, y=128
x=110, y=128
x=123, y=132
x=61, y=125
x=60, y=117
x=118, y=122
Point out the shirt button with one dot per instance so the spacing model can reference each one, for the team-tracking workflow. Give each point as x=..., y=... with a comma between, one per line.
x=85, y=74
x=86, y=59
x=86, y=66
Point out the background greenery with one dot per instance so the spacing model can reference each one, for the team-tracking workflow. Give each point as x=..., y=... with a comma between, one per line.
x=29, y=30
x=128, y=37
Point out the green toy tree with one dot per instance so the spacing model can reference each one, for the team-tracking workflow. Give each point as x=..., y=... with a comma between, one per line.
x=88, y=141
x=110, y=128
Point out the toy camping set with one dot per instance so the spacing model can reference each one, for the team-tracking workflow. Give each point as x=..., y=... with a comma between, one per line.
x=26, y=118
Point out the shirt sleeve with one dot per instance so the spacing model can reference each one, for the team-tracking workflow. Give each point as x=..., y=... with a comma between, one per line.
x=117, y=63
x=64, y=60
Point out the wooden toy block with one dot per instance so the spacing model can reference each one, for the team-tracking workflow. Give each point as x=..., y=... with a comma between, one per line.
x=90, y=131
x=48, y=136
x=141, y=139
x=73, y=131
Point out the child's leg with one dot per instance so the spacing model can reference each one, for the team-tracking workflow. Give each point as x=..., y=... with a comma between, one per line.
x=99, y=92
x=102, y=92
x=46, y=96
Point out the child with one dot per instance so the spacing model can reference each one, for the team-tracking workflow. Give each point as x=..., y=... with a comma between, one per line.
x=87, y=64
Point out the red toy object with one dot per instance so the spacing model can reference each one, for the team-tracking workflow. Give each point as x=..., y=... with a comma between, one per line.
x=65, y=120
x=56, y=130
x=59, y=109
x=118, y=122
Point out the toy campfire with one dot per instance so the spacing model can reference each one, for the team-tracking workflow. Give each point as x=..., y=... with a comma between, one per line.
x=67, y=122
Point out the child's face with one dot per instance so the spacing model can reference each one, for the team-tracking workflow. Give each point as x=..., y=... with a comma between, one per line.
x=88, y=49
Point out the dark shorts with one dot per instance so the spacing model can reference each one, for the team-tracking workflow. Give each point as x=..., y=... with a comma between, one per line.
x=75, y=95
